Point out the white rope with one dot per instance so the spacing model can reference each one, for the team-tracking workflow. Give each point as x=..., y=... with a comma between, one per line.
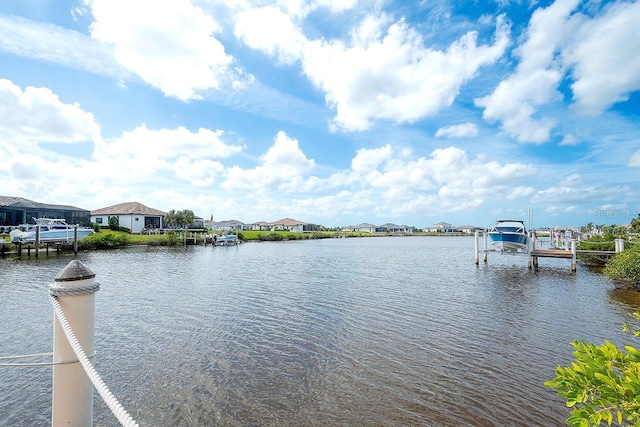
x=26, y=356
x=121, y=414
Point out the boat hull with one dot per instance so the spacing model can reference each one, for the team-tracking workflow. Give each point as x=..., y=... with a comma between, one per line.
x=509, y=242
x=61, y=236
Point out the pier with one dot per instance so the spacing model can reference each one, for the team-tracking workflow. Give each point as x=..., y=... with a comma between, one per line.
x=534, y=252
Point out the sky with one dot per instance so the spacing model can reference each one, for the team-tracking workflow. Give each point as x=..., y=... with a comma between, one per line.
x=332, y=112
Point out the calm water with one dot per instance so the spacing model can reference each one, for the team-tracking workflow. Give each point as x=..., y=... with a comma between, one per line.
x=366, y=332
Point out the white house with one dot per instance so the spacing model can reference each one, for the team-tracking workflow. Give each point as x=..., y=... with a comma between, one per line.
x=132, y=215
x=441, y=227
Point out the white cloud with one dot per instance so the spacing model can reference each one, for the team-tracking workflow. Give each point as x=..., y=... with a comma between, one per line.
x=515, y=101
x=577, y=194
x=386, y=72
x=143, y=143
x=167, y=43
x=36, y=115
x=47, y=42
x=463, y=130
x=368, y=159
x=559, y=40
x=604, y=47
x=283, y=164
x=272, y=31
x=634, y=160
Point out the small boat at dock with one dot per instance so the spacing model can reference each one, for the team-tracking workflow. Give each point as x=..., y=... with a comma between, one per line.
x=509, y=235
x=51, y=230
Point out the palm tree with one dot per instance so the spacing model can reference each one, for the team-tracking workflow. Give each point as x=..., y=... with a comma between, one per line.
x=185, y=218
x=171, y=218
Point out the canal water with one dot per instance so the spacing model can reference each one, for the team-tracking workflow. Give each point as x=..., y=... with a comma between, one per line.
x=367, y=332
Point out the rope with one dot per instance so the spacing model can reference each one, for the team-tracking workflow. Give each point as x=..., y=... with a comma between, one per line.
x=26, y=356
x=121, y=414
x=69, y=291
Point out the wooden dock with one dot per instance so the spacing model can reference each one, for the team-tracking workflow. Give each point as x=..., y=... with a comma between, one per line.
x=534, y=252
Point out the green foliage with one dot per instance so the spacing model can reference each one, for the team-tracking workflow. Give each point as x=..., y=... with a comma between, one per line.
x=172, y=239
x=624, y=267
x=597, y=243
x=602, y=384
x=105, y=241
x=95, y=226
x=114, y=223
x=635, y=224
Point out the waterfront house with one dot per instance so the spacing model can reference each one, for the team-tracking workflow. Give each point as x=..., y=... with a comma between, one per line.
x=15, y=211
x=132, y=215
x=441, y=227
x=363, y=228
x=396, y=229
x=228, y=225
x=285, y=224
x=469, y=229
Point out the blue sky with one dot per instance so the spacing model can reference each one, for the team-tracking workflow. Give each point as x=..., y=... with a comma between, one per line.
x=334, y=112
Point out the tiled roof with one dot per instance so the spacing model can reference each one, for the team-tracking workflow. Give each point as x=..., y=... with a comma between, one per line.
x=128, y=208
x=288, y=222
x=20, y=202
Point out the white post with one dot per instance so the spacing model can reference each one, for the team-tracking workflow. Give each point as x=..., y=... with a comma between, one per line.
x=476, y=245
x=574, y=247
x=72, y=397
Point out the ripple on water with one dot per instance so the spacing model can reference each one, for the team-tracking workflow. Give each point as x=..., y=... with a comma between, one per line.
x=389, y=331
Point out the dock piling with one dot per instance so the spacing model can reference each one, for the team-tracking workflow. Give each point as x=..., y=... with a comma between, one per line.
x=72, y=396
x=476, y=244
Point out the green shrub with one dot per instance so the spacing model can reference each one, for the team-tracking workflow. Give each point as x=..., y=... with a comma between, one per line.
x=624, y=267
x=173, y=238
x=105, y=241
x=597, y=243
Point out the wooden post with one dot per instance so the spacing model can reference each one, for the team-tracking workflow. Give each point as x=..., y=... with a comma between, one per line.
x=486, y=245
x=37, y=239
x=574, y=246
x=72, y=396
x=75, y=239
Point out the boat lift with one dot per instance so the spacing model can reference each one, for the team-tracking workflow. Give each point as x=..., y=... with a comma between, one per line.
x=534, y=252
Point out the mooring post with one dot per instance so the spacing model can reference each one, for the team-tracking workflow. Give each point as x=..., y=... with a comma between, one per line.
x=75, y=239
x=37, y=239
x=574, y=247
x=72, y=397
x=476, y=246
x=486, y=244
x=619, y=245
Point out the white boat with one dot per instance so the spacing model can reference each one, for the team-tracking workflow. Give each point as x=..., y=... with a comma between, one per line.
x=227, y=240
x=51, y=230
x=509, y=235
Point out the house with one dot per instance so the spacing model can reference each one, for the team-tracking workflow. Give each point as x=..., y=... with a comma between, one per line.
x=285, y=224
x=289, y=224
x=15, y=211
x=231, y=224
x=470, y=229
x=363, y=228
x=441, y=227
x=132, y=215
x=396, y=229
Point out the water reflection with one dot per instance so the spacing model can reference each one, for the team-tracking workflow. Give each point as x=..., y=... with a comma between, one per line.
x=389, y=331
